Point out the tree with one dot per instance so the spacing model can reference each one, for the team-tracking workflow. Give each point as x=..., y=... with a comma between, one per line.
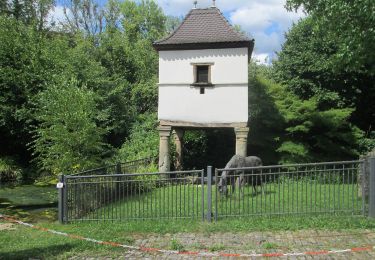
x=172, y=23
x=289, y=129
x=144, y=19
x=29, y=61
x=68, y=138
x=4, y=7
x=306, y=66
x=351, y=24
x=84, y=16
x=29, y=12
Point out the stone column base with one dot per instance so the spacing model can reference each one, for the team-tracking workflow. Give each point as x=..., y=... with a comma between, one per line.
x=178, y=135
x=164, y=157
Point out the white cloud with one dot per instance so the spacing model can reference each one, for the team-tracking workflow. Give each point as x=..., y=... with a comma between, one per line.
x=57, y=15
x=262, y=58
x=265, y=20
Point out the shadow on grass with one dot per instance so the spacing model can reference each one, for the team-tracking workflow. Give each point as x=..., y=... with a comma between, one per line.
x=36, y=206
x=251, y=195
x=37, y=252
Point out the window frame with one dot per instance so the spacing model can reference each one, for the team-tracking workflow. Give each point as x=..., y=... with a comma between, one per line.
x=209, y=76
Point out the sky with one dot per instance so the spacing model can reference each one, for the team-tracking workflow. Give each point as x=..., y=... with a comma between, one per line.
x=264, y=20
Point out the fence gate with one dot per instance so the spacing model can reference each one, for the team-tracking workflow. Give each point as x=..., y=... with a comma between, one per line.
x=339, y=188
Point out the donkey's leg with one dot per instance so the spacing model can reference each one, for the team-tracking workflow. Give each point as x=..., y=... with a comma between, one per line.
x=233, y=184
x=261, y=184
x=240, y=183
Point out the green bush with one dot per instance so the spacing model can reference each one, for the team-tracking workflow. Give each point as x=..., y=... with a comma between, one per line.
x=9, y=170
x=69, y=137
x=143, y=141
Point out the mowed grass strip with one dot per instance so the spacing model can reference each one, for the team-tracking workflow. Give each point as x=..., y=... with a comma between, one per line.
x=21, y=242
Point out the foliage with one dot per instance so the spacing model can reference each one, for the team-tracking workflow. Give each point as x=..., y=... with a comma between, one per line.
x=9, y=170
x=84, y=15
x=172, y=23
x=68, y=138
x=108, y=49
x=351, y=24
x=144, y=96
x=28, y=63
x=297, y=129
x=143, y=140
x=367, y=144
x=305, y=66
x=143, y=20
x=28, y=12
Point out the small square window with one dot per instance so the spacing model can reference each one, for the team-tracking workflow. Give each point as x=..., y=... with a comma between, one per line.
x=202, y=75
x=202, y=90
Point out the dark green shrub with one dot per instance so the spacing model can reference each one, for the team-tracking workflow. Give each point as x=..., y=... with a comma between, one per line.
x=9, y=170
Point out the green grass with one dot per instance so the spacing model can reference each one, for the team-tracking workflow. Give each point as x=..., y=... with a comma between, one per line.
x=216, y=248
x=185, y=201
x=176, y=245
x=270, y=245
x=27, y=243
x=29, y=202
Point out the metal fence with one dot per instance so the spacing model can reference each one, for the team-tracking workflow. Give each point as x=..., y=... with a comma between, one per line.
x=120, y=168
x=133, y=196
x=316, y=188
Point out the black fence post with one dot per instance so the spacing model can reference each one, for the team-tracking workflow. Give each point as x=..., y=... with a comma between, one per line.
x=372, y=188
x=209, y=193
x=203, y=198
x=216, y=195
x=118, y=185
x=61, y=189
x=118, y=168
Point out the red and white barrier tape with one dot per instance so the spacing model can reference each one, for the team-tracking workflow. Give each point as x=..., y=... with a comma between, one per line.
x=203, y=254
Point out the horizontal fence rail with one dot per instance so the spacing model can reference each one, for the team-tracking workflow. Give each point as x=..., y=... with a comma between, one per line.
x=315, y=188
x=120, y=168
x=173, y=195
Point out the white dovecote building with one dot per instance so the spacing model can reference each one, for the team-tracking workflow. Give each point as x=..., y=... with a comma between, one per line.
x=203, y=80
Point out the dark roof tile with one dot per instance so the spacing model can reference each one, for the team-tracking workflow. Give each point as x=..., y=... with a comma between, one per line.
x=204, y=26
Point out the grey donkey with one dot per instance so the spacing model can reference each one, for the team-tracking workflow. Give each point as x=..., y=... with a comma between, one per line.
x=238, y=161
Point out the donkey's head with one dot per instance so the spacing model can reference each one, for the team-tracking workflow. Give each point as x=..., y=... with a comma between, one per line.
x=222, y=185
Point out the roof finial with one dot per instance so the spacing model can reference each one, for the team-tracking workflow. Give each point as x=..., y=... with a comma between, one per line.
x=195, y=4
x=213, y=3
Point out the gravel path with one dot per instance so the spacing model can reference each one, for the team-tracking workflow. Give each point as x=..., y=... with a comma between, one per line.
x=259, y=242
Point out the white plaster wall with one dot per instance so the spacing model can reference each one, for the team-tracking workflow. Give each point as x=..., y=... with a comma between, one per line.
x=226, y=102
x=222, y=104
x=230, y=65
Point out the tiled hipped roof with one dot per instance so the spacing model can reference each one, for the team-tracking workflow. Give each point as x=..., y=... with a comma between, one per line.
x=204, y=28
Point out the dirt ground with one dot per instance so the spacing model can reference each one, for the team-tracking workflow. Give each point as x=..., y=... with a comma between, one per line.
x=244, y=243
x=262, y=242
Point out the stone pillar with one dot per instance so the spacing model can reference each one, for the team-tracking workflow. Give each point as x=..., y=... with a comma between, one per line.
x=164, y=157
x=241, y=140
x=364, y=176
x=178, y=135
